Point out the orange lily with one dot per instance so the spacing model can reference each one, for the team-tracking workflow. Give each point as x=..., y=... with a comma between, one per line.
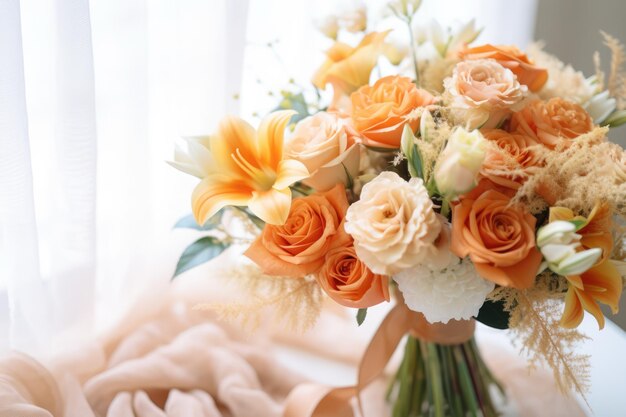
x=603, y=282
x=595, y=229
x=347, y=68
x=244, y=167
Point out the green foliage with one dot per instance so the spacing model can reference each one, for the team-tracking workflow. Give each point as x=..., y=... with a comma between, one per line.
x=189, y=222
x=412, y=153
x=360, y=316
x=199, y=252
x=493, y=314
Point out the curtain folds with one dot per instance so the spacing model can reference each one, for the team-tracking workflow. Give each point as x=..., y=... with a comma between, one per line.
x=19, y=256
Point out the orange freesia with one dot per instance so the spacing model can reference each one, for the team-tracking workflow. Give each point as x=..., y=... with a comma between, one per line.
x=248, y=169
x=603, y=282
x=348, y=68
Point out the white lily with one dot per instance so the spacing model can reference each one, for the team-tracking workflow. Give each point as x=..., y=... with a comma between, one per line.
x=557, y=232
x=600, y=106
x=196, y=160
x=558, y=243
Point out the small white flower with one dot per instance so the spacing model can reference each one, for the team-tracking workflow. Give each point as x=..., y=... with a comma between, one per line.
x=196, y=160
x=456, y=292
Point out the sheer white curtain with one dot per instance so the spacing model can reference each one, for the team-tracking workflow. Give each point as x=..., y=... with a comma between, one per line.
x=93, y=95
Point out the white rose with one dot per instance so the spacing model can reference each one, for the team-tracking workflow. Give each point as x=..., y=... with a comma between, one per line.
x=456, y=292
x=393, y=224
x=460, y=162
x=324, y=144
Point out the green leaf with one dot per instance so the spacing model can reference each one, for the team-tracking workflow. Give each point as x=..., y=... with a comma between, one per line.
x=617, y=118
x=199, y=252
x=492, y=314
x=189, y=222
x=578, y=223
x=360, y=316
x=412, y=153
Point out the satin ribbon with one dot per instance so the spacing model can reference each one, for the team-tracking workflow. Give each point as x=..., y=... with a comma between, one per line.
x=314, y=400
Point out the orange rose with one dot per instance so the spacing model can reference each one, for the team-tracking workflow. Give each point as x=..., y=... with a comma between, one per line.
x=379, y=112
x=346, y=279
x=298, y=247
x=511, y=153
x=513, y=59
x=551, y=122
x=498, y=238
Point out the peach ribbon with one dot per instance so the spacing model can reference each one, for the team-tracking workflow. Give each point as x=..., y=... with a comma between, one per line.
x=313, y=400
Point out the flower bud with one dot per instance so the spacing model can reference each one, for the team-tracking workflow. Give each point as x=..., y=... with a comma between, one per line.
x=557, y=232
x=329, y=26
x=558, y=243
x=460, y=162
x=405, y=7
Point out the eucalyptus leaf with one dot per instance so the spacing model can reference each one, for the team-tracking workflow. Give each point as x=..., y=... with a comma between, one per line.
x=199, y=252
x=189, y=222
x=360, y=316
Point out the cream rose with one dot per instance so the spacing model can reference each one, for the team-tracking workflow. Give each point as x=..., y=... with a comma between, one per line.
x=393, y=224
x=325, y=144
x=483, y=92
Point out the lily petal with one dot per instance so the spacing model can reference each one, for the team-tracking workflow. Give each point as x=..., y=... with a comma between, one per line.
x=573, y=311
x=215, y=192
x=233, y=134
x=271, y=206
x=271, y=136
x=289, y=171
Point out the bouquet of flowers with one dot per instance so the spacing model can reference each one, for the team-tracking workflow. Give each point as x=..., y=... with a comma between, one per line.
x=468, y=182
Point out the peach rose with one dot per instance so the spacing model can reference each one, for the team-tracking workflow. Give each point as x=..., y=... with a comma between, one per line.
x=298, y=247
x=349, y=282
x=379, y=112
x=512, y=58
x=552, y=122
x=394, y=225
x=509, y=152
x=483, y=92
x=325, y=144
x=498, y=238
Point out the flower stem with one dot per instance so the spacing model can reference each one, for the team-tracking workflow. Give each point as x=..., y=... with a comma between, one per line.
x=409, y=23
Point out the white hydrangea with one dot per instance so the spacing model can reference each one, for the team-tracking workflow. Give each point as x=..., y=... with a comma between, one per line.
x=456, y=292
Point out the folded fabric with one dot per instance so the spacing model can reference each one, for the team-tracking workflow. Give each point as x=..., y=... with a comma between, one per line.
x=168, y=359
